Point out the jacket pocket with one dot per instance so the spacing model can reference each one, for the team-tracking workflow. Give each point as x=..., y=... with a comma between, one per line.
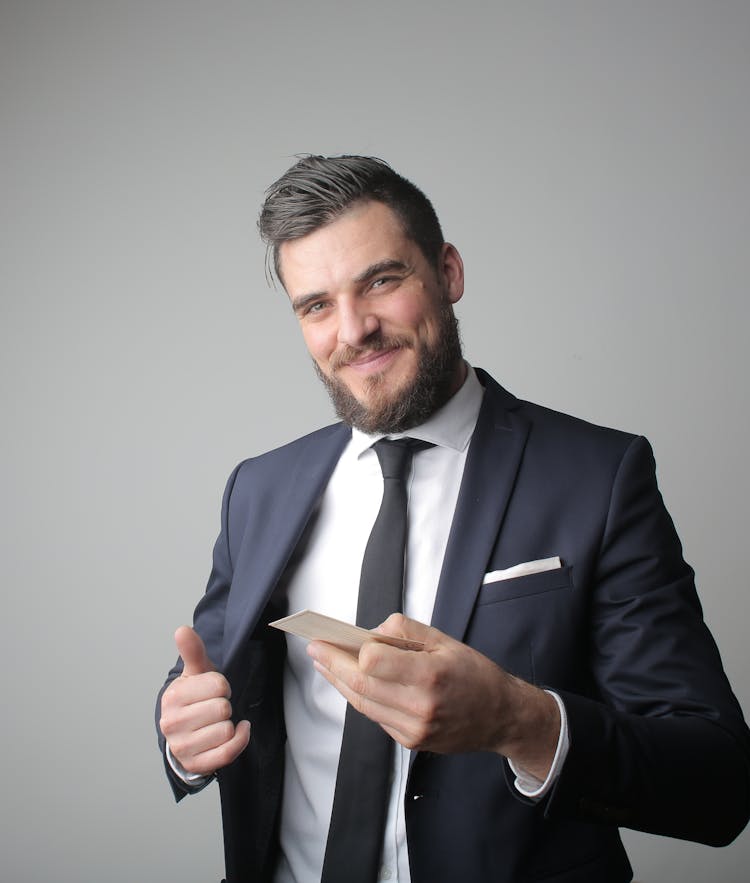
x=524, y=586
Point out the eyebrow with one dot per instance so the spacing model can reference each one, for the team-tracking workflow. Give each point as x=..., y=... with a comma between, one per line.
x=299, y=303
x=386, y=266
x=389, y=265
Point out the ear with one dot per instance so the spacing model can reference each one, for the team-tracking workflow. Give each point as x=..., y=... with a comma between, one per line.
x=452, y=271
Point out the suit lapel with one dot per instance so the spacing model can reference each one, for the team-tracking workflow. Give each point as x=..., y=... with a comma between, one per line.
x=492, y=462
x=272, y=532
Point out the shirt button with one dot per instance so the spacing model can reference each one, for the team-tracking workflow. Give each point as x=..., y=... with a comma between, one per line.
x=385, y=873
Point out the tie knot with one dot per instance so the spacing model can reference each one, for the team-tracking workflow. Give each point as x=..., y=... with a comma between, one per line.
x=395, y=455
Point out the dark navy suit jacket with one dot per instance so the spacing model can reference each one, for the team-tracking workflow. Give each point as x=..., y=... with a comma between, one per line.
x=657, y=740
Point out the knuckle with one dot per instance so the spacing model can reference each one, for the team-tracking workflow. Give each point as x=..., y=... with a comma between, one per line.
x=218, y=684
x=369, y=656
x=358, y=703
x=178, y=745
x=170, y=697
x=176, y=718
x=224, y=709
x=433, y=679
x=396, y=620
x=225, y=731
x=192, y=765
x=358, y=684
x=420, y=736
x=411, y=743
x=167, y=724
x=426, y=712
x=225, y=754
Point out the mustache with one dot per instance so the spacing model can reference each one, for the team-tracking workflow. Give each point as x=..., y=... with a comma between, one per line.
x=346, y=354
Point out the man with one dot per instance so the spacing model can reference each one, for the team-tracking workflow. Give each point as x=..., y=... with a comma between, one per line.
x=551, y=703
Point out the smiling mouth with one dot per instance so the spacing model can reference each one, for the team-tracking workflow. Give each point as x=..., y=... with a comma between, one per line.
x=378, y=353
x=371, y=360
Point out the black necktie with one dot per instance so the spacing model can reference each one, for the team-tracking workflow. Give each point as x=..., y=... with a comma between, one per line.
x=355, y=835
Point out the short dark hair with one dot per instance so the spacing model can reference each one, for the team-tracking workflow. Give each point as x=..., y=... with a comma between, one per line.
x=317, y=189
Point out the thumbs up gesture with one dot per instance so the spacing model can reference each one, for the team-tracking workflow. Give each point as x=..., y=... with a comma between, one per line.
x=196, y=712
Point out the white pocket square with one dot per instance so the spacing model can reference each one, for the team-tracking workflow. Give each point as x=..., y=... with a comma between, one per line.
x=524, y=569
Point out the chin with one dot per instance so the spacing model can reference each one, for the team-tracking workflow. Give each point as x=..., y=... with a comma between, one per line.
x=380, y=395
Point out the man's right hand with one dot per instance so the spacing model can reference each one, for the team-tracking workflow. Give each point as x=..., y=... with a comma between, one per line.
x=196, y=712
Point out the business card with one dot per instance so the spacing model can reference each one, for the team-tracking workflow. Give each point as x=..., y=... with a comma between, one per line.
x=317, y=627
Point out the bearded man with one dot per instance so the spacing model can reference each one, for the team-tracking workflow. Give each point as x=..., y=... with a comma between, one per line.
x=542, y=673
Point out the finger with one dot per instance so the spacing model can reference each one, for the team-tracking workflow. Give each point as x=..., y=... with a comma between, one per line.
x=205, y=763
x=201, y=740
x=189, y=718
x=332, y=657
x=375, y=660
x=197, y=688
x=411, y=735
x=391, y=664
x=394, y=713
x=399, y=626
x=193, y=651
x=340, y=669
x=380, y=672
x=356, y=684
x=373, y=696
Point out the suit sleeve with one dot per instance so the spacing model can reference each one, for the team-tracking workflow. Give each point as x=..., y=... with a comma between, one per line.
x=208, y=621
x=660, y=745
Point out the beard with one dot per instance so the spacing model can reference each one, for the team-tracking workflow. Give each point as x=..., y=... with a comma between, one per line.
x=432, y=386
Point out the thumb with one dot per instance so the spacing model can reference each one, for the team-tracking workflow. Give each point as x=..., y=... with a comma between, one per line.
x=193, y=651
x=399, y=626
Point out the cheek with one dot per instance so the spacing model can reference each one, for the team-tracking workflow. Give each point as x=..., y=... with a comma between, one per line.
x=408, y=315
x=422, y=324
x=320, y=343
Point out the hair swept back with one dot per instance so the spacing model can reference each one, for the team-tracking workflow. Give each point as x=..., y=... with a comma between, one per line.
x=317, y=189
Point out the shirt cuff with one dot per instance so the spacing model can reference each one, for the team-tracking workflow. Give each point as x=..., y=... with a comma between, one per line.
x=195, y=780
x=531, y=786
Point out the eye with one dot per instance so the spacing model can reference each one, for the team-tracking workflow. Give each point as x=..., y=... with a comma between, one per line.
x=381, y=281
x=314, y=309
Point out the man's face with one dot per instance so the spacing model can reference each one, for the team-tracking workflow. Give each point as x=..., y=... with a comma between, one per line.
x=377, y=318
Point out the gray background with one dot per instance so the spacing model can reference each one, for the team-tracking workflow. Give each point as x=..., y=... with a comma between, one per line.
x=588, y=159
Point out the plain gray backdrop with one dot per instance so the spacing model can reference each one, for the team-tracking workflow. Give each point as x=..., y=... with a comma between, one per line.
x=590, y=161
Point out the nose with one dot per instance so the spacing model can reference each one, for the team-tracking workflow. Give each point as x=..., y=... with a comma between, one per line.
x=357, y=323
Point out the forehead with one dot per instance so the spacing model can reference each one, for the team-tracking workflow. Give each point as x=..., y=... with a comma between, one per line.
x=365, y=234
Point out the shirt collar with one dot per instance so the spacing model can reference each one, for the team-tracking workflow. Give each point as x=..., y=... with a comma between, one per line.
x=450, y=427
